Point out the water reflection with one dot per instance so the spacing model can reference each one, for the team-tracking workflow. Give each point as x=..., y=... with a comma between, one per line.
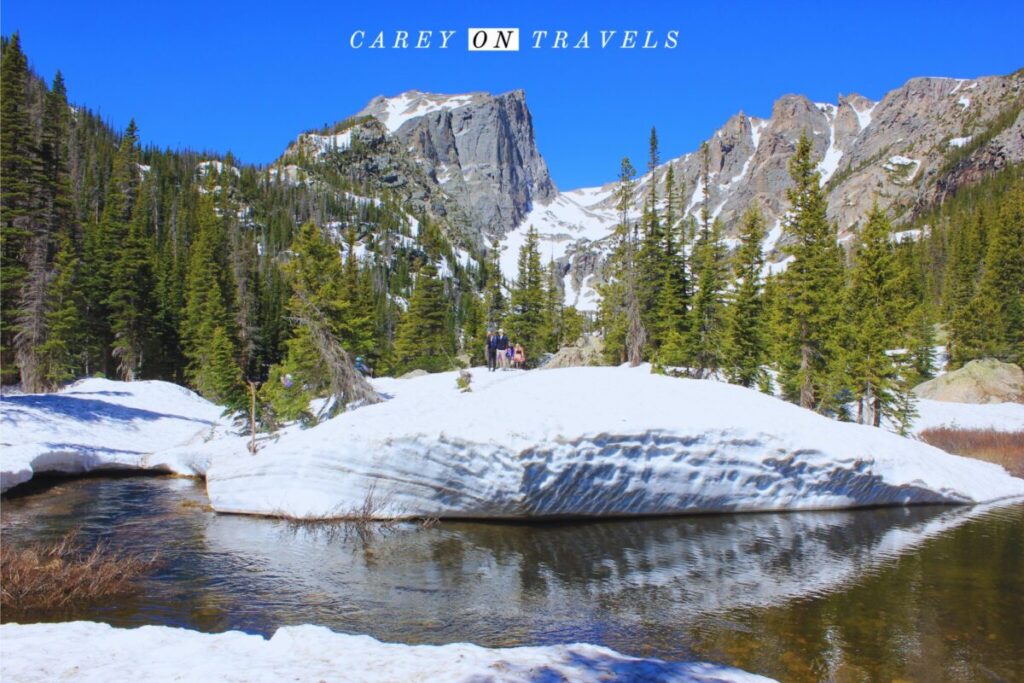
x=853, y=595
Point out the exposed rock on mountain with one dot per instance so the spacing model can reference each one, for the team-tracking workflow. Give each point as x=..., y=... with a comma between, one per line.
x=919, y=143
x=480, y=148
x=471, y=161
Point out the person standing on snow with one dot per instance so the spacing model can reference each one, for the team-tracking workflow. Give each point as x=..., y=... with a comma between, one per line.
x=502, y=347
x=492, y=351
x=519, y=357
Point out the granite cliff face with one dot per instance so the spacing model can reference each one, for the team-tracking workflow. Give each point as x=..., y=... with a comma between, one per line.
x=480, y=148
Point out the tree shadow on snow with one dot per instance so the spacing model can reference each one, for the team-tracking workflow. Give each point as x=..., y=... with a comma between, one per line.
x=97, y=393
x=613, y=668
x=83, y=409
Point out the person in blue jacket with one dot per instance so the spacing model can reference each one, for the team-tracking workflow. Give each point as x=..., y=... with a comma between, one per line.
x=502, y=346
x=492, y=351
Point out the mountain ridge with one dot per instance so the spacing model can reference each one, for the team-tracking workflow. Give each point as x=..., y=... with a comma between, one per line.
x=907, y=151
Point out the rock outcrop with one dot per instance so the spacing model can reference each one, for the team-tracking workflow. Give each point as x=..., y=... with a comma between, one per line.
x=480, y=148
x=980, y=381
x=585, y=352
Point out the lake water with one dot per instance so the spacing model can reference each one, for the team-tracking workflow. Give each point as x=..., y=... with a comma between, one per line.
x=916, y=594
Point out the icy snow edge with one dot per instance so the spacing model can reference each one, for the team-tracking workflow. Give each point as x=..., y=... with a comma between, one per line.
x=586, y=442
x=97, y=424
x=89, y=651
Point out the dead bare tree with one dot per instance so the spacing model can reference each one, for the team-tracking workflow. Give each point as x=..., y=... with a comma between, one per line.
x=347, y=384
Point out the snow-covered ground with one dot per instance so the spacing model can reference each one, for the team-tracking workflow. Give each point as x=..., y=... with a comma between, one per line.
x=1003, y=417
x=585, y=442
x=576, y=441
x=89, y=651
x=103, y=424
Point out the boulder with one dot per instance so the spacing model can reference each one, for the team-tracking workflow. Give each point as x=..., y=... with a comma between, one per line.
x=587, y=351
x=980, y=381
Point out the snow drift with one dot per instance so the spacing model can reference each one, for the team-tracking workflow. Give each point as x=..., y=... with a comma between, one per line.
x=88, y=651
x=586, y=442
x=102, y=424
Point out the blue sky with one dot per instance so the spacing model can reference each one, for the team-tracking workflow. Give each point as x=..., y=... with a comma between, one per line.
x=248, y=76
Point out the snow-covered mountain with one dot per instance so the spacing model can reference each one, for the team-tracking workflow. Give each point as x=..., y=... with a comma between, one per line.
x=472, y=160
x=906, y=151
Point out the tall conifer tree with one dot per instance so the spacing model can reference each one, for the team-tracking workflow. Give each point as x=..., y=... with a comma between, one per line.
x=745, y=346
x=810, y=288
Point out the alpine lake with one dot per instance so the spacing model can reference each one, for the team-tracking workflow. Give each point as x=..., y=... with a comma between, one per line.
x=895, y=594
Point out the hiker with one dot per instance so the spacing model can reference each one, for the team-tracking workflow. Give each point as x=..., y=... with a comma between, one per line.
x=492, y=351
x=502, y=347
x=519, y=357
x=364, y=369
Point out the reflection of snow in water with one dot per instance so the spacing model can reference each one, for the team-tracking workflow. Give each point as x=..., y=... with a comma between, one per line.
x=690, y=566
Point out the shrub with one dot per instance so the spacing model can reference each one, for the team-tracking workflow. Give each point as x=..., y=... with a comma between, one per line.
x=63, y=572
x=1002, y=448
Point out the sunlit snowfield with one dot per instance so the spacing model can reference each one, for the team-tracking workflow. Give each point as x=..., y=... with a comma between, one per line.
x=926, y=593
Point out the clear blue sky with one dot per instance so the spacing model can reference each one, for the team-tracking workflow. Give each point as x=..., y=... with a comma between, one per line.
x=248, y=76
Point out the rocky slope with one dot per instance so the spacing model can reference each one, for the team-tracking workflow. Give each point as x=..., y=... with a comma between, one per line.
x=480, y=148
x=920, y=142
x=472, y=162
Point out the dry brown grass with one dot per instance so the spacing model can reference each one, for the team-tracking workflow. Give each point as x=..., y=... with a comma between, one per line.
x=63, y=572
x=1002, y=448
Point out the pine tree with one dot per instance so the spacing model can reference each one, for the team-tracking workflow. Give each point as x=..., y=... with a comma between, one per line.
x=20, y=271
x=207, y=323
x=355, y=324
x=103, y=241
x=876, y=310
x=50, y=214
x=995, y=323
x=61, y=354
x=707, y=318
x=494, y=296
x=131, y=305
x=526, y=323
x=810, y=288
x=620, y=311
x=474, y=328
x=706, y=321
x=651, y=257
x=921, y=344
x=553, y=325
x=294, y=382
x=745, y=347
x=424, y=340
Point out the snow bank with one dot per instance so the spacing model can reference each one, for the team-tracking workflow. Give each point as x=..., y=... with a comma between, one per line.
x=1002, y=417
x=103, y=424
x=89, y=651
x=586, y=442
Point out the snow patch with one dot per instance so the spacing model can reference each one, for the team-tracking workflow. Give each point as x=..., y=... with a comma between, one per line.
x=902, y=235
x=102, y=424
x=411, y=105
x=95, y=652
x=833, y=154
x=960, y=142
x=864, y=117
x=1003, y=417
x=757, y=126
x=203, y=167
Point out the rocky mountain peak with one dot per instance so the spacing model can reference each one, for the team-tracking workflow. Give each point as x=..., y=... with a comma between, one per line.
x=479, y=147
